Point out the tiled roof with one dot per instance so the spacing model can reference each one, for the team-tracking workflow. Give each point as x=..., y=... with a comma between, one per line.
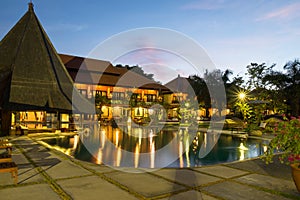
x=98, y=72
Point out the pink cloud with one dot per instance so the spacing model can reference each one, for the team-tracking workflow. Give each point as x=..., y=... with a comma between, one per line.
x=284, y=13
x=163, y=64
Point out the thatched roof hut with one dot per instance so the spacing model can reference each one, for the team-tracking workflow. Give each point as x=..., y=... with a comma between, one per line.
x=32, y=75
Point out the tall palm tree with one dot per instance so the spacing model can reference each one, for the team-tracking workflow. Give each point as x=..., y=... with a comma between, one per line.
x=293, y=88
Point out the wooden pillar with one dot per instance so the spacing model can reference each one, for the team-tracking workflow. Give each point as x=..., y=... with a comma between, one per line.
x=58, y=121
x=5, y=122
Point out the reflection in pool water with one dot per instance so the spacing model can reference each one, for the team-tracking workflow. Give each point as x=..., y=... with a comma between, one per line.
x=148, y=148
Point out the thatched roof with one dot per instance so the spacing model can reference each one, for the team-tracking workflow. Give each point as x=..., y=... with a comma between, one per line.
x=32, y=75
x=179, y=84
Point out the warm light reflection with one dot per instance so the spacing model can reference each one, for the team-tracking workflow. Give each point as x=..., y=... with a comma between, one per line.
x=140, y=137
x=152, y=155
x=68, y=152
x=76, y=138
x=265, y=148
x=181, y=163
x=99, y=157
x=152, y=149
x=242, y=150
x=117, y=138
x=205, y=140
x=242, y=147
x=119, y=156
x=187, y=150
x=129, y=122
x=151, y=136
x=242, y=154
x=103, y=138
x=136, y=156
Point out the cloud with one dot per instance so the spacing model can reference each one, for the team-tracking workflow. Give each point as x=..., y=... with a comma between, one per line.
x=284, y=13
x=204, y=5
x=163, y=64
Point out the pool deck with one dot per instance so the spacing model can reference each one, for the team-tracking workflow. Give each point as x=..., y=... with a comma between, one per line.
x=48, y=174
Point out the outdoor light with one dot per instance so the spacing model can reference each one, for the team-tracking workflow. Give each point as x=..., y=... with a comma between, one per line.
x=138, y=112
x=151, y=111
x=187, y=104
x=242, y=96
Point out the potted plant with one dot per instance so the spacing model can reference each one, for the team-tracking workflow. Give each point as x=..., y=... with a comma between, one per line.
x=287, y=143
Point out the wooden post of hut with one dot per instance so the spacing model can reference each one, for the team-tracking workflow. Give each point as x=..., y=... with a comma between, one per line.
x=58, y=121
x=5, y=122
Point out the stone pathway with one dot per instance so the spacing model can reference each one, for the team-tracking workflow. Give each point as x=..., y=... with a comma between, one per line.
x=49, y=174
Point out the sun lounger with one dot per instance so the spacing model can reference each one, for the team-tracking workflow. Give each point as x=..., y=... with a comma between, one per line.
x=7, y=146
x=3, y=140
x=5, y=157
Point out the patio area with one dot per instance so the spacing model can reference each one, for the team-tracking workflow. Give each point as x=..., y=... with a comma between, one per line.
x=48, y=173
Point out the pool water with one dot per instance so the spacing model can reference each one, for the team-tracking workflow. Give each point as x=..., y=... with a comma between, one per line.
x=148, y=148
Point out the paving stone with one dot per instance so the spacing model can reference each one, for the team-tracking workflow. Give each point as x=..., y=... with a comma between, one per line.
x=206, y=197
x=270, y=183
x=38, y=154
x=19, y=159
x=27, y=174
x=145, y=184
x=6, y=179
x=258, y=166
x=93, y=187
x=234, y=191
x=36, y=191
x=187, y=177
x=221, y=171
x=65, y=169
x=130, y=170
x=97, y=168
x=48, y=160
x=190, y=195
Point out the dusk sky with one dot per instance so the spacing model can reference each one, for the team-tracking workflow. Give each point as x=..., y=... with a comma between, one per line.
x=234, y=33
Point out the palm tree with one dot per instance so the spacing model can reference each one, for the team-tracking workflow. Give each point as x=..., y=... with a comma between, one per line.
x=293, y=86
x=201, y=91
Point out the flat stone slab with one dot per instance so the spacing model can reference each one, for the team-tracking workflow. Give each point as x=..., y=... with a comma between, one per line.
x=97, y=168
x=65, y=169
x=48, y=159
x=186, y=177
x=6, y=179
x=19, y=159
x=270, y=183
x=258, y=166
x=93, y=187
x=145, y=184
x=234, y=191
x=221, y=171
x=190, y=195
x=36, y=191
x=26, y=174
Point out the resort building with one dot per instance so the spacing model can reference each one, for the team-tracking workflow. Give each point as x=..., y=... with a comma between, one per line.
x=40, y=85
x=117, y=92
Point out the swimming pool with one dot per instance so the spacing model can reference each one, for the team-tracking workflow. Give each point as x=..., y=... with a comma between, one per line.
x=147, y=148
